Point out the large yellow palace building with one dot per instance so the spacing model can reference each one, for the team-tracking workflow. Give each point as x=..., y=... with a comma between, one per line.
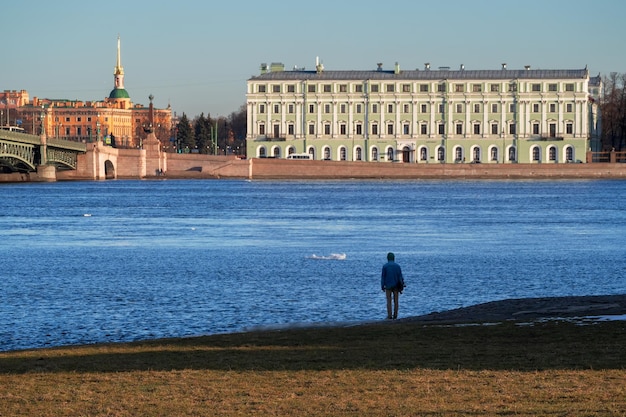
x=116, y=120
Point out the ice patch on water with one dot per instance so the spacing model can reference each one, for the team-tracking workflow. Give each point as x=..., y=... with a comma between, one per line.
x=331, y=257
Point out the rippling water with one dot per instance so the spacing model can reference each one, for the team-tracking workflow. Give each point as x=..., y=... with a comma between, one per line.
x=88, y=262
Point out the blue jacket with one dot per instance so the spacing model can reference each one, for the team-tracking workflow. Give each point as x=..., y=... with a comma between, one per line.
x=391, y=277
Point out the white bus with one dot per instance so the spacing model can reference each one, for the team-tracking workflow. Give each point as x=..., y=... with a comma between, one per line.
x=12, y=129
x=300, y=156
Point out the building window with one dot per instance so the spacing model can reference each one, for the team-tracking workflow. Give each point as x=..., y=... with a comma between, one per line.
x=423, y=154
x=441, y=108
x=458, y=154
x=358, y=88
x=569, y=154
x=374, y=88
x=327, y=88
x=276, y=89
x=459, y=108
x=311, y=88
x=569, y=107
x=477, y=88
x=459, y=128
x=512, y=129
x=374, y=154
x=477, y=128
x=67, y=119
x=441, y=154
x=327, y=153
x=535, y=87
x=374, y=129
x=261, y=108
x=552, y=107
x=535, y=128
x=552, y=87
x=311, y=129
x=359, y=129
x=390, y=88
x=374, y=108
x=494, y=108
x=552, y=153
x=291, y=88
x=390, y=154
x=290, y=129
x=290, y=108
x=326, y=108
x=405, y=129
x=406, y=108
x=512, y=108
x=276, y=108
x=552, y=128
x=359, y=153
x=476, y=108
x=342, y=129
x=476, y=155
x=441, y=128
x=441, y=87
x=512, y=87
x=535, y=107
x=423, y=88
x=261, y=88
x=424, y=129
x=494, y=129
x=458, y=88
x=343, y=88
x=424, y=108
x=495, y=88
x=359, y=109
x=311, y=108
x=511, y=154
x=569, y=87
x=327, y=129
x=78, y=119
x=342, y=153
x=406, y=88
x=262, y=129
x=389, y=108
x=569, y=128
x=342, y=108
x=494, y=154
x=390, y=129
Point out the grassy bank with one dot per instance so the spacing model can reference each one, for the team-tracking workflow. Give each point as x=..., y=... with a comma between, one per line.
x=395, y=369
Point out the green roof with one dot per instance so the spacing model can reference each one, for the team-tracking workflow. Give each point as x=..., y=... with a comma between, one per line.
x=119, y=93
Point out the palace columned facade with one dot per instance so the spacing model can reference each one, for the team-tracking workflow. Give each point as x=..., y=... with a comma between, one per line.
x=423, y=116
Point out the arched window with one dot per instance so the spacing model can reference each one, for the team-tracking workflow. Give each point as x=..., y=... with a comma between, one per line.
x=569, y=154
x=552, y=153
x=512, y=156
x=277, y=152
x=458, y=154
x=327, y=153
x=374, y=154
x=423, y=154
x=390, y=154
x=441, y=154
x=312, y=152
x=262, y=152
x=536, y=154
x=494, y=154
x=291, y=150
x=476, y=154
x=359, y=153
x=342, y=153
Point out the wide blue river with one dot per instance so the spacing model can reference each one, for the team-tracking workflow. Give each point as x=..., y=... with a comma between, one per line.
x=90, y=262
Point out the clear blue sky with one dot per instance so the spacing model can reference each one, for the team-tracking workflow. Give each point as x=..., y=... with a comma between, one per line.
x=197, y=55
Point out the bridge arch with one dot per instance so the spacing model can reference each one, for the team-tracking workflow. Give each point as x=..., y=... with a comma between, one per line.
x=109, y=170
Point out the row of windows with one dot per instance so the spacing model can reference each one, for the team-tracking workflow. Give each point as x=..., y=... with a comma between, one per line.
x=408, y=88
x=459, y=153
x=459, y=129
x=406, y=108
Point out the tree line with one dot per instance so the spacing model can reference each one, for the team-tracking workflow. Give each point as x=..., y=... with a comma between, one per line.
x=613, y=112
x=212, y=136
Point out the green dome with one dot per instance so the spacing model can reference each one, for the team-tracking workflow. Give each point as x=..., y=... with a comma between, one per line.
x=119, y=93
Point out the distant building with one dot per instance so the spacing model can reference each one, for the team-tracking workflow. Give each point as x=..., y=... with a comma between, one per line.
x=114, y=120
x=423, y=116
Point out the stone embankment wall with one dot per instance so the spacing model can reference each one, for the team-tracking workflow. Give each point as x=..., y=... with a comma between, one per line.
x=305, y=169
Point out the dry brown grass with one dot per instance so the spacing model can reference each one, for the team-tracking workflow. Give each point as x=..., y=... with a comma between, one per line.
x=396, y=369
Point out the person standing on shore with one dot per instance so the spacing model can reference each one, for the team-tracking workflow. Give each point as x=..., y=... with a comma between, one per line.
x=392, y=283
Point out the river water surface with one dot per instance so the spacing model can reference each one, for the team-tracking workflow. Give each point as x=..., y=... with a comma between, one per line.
x=90, y=262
